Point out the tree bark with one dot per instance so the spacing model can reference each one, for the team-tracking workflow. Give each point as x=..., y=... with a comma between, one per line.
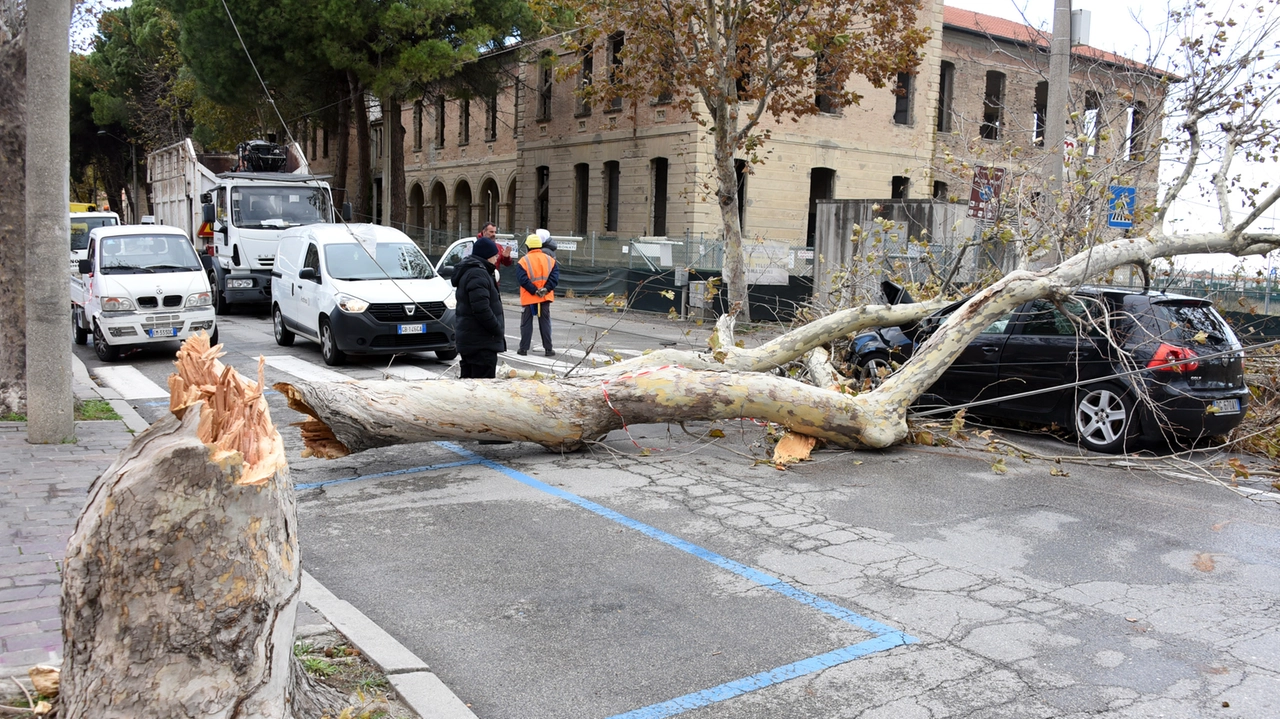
x=343, y=155
x=181, y=580
x=566, y=413
x=734, y=271
x=395, y=188
x=361, y=186
x=13, y=228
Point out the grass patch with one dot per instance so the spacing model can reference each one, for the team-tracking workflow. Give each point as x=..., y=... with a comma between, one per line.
x=95, y=409
x=13, y=417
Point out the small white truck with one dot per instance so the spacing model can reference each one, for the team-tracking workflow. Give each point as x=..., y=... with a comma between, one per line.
x=235, y=206
x=138, y=285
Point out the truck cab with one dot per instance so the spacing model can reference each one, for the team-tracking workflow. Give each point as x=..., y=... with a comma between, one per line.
x=83, y=221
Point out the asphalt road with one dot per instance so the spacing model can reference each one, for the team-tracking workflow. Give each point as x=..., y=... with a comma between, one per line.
x=664, y=572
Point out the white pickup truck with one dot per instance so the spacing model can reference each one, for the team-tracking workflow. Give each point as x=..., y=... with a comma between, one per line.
x=139, y=284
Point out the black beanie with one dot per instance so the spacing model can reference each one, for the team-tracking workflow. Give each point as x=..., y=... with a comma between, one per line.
x=484, y=248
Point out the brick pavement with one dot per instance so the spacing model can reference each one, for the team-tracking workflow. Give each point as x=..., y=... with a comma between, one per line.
x=42, y=491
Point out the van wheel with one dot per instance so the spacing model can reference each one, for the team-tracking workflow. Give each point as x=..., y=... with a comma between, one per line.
x=213, y=338
x=329, y=347
x=105, y=352
x=1103, y=418
x=284, y=337
x=446, y=355
x=80, y=334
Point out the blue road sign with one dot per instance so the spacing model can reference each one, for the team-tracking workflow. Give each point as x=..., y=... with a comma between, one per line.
x=1122, y=201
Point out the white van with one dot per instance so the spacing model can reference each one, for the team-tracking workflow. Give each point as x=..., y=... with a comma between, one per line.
x=359, y=289
x=81, y=224
x=460, y=249
x=139, y=284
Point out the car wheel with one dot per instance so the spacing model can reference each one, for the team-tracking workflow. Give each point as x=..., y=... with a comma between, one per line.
x=80, y=334
x=220, y=305
x=873, y=367
x=446, y=355
x=213, y=338
x=105, y=352
x=284, y=337
x=329, y=347
x=1103, y=418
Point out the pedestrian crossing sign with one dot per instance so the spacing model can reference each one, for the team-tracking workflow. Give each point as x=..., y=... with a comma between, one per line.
x=1121, y=202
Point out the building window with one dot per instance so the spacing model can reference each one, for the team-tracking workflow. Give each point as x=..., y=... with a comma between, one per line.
x=612, y=195
x=659, y=167
x=946, y=91
x=315, y=146
x=1042, y=112
x=898, y=189
x=940, y=190
x=517, y=112
x=742, y=84
x=1134, y=148
x=464, y=122
x=324, y=149
x=616, y=43
x=417, y=125
x=545, y=80
x=1092, y=121
x=542, y=208
x=440, y=121
x=584, y=79
x=581, y=195
x=740, y=169
x=822, y=186
x=902, y=99
x=822, y=81
x=491, y=119
x=992, y=106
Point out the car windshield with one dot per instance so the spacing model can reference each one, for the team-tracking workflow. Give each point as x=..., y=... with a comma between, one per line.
x=395, y=260
x=131, y=254
x=80, y=227
x=277, y=207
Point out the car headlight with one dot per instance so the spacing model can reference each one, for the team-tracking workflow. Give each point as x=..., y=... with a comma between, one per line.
x=451, y=301
x=199, y=299
x=117, y=304
x=353, y=305
x=239, y=284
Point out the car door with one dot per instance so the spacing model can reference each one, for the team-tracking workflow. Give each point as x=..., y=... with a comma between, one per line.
x=308, y=292
x=1047, y=350
x=974, y=374
x=455, y=254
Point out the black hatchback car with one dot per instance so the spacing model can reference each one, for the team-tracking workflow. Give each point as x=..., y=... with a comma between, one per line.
x=1105, y=331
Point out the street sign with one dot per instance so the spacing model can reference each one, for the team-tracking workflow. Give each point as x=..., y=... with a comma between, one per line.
x=984, y=196
x=1121, y=202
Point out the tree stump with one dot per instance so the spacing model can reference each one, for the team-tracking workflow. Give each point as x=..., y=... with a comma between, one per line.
x=181, y=580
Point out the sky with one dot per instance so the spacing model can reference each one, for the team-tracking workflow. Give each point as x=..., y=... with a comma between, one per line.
x=1129, y=28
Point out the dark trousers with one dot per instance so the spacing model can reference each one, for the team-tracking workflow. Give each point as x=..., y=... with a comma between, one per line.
x=543, y=311
x=481, y=364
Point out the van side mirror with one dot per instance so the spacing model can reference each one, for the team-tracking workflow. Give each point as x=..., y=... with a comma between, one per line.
x=445, y=271
x=347, y=212
x=307, y=273
x=208, y=212
x=85, y=267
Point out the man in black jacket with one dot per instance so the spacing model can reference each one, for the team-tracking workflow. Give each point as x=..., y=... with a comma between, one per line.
x=479, y=325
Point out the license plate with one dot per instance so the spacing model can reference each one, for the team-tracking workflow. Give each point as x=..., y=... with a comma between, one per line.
x=1226, y=406
x=163, y=332
x=411, y=329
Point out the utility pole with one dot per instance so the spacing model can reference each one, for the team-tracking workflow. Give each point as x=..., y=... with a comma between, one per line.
x=50, y=413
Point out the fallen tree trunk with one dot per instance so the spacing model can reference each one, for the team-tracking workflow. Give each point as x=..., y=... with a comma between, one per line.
x=565, y=413
x=181, y=580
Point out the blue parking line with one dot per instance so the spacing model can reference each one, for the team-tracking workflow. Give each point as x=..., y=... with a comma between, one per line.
x=411, y=470
x=886, y=637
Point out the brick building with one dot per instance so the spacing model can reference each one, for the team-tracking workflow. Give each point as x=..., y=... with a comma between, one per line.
x=535, y=156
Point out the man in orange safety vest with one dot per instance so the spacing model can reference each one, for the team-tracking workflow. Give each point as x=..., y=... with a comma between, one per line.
x=539, y=273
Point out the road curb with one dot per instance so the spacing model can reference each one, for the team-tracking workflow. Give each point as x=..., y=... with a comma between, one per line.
x=413, y=680
x=84, y=387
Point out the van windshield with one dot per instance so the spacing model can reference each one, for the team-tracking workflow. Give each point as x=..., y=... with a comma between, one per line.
x=133, y=254
x=80, y=227
x=275, y=208
x=395, y=260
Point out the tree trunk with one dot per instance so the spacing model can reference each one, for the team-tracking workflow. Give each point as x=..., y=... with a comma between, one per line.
x=13, y=227
x=394, y=186
x=181, y=580
x=734, y=272
x=360, y=187
x=568, y=412
x=340, y=173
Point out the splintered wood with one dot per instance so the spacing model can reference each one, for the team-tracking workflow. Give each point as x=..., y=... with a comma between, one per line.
x=234, y=421
x=317, y=439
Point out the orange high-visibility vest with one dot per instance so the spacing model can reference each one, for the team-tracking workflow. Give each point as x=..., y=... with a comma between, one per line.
x=537, y=265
